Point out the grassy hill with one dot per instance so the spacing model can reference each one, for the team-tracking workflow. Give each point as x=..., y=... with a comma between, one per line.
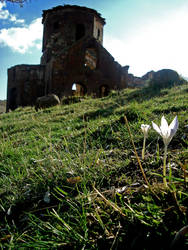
x=70, y=178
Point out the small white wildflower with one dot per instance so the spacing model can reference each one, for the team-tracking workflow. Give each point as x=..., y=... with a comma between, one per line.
x=167, y=133
x=145, y=129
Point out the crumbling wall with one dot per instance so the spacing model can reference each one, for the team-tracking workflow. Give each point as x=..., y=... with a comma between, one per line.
x=88, y=64
x=161, y=78
x=25, y=84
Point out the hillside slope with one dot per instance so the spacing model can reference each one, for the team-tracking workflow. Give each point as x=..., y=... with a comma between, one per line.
x=70, y=179
x=2, y=106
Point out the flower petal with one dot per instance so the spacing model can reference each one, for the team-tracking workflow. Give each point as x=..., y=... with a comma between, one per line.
x=156, y=128
x=173, y=126
x=148, y=126
x=145, y=128
x=164, y=127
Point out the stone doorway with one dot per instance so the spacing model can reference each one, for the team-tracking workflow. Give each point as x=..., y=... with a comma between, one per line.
x=79, y=89
x=104, y=90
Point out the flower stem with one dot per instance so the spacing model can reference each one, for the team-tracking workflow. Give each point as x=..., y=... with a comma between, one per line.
x=164, y=166
x=136, y=154
x=143, y=149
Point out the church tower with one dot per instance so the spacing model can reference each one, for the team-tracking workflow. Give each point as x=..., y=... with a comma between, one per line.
x=65, y=25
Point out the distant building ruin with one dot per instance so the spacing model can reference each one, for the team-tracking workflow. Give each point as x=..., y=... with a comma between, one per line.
x=74, y=61
x=161, y=78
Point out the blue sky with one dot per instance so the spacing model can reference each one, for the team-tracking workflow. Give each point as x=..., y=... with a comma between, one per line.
x=144, y=34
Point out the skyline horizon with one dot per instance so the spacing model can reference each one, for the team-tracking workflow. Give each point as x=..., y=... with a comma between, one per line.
x=125, y=38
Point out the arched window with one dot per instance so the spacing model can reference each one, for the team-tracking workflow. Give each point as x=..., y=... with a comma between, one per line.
x=91, y=58
x=56, y=25
x=80, y=31
x=98, y=33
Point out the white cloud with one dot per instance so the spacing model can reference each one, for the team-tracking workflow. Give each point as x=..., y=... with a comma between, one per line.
x=160, y=44
x=2, y=4
x=21, y=39
x=5, y=15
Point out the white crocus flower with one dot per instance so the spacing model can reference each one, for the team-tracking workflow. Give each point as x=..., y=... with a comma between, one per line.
x=167, y=132
x=145, y=129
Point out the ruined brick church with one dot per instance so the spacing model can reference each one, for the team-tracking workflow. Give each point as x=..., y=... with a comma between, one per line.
x=74, y=61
